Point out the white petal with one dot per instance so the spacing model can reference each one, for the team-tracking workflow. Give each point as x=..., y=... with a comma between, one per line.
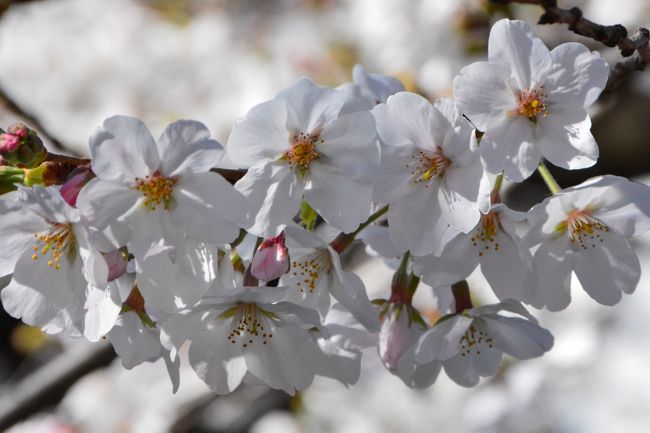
x=381, y=86
x=349, y=145
x=217, y=361
x=552, y=276
x=442, y=341
x=458, y=196
x=287, y=362
x=509, y=145
x=17, y=228
x=607, y=268
x=564, y=138
x=514, y=43
x=48, y=203
x=208, y=208
x=185, y=147
x=103, y=203
x=123, y=149
x=310, y=106
x=518, y=337
x=262, y=134
x=349, y=290
x=274, y=195
x=342, y=202
x=133, y=342
x=481, y=92
x=103, y=306
x=577, y=76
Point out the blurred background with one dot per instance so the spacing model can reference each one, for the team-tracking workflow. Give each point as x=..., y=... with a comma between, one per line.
x=70, y=64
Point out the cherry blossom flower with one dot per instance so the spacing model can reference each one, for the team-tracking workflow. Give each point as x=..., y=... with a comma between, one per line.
x=531, y=102
x=494, y=244
x=146, y=192
x=316, y=273
x=299, y=145
x=584, y=230
x=249, y=336
x=430, y=176
x=471, y=344
x=54, y=263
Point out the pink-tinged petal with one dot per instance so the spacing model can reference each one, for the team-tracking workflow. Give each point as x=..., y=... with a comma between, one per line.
x=273, y=194
x=514, y=43
x=509, y=145
x=607, y=269
x=123, y=149
x=396, y=336
x=117, y=264
x=482, y=93
x=208, y=208
x=103, y=203
x=287, y=362
x=518, y=337
x=271, y=260
x=342, y=202
x=185, y=147
x=577, y=76
x=565, y=140
x=79, y=177
x=310, y=106
x=552, y=276
x=262, y=134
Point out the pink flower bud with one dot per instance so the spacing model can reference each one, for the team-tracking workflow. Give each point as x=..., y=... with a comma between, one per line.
x=395, y=335
x=9, y=142
x=271, y=260
x=77, y=179
x=117, y=264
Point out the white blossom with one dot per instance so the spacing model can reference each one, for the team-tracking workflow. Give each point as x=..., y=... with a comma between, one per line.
x=531, y=102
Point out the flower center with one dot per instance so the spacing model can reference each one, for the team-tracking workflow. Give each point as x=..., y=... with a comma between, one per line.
x=157, y=190
x=57, y=242
x=530, y=104
x=303, y=150
x=426, y=166
x=308, y=272
x=474, y=340
x=583, y=229
x=250, y=324
x=485, y=236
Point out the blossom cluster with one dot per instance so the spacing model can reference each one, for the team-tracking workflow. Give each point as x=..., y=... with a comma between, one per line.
x=151, y=247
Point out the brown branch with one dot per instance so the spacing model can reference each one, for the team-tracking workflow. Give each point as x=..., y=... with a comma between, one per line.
x=617, y=35
x=47, y=385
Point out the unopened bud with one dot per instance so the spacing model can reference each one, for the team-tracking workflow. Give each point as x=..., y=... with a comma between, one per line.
x=271, y=260
x=79, y=177
x=22, y=146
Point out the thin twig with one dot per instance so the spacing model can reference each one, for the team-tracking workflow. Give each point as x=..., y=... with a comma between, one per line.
x=47, y=385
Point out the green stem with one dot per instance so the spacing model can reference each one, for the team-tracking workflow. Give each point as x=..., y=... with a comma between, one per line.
x=550, y=181
x=343, y=240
